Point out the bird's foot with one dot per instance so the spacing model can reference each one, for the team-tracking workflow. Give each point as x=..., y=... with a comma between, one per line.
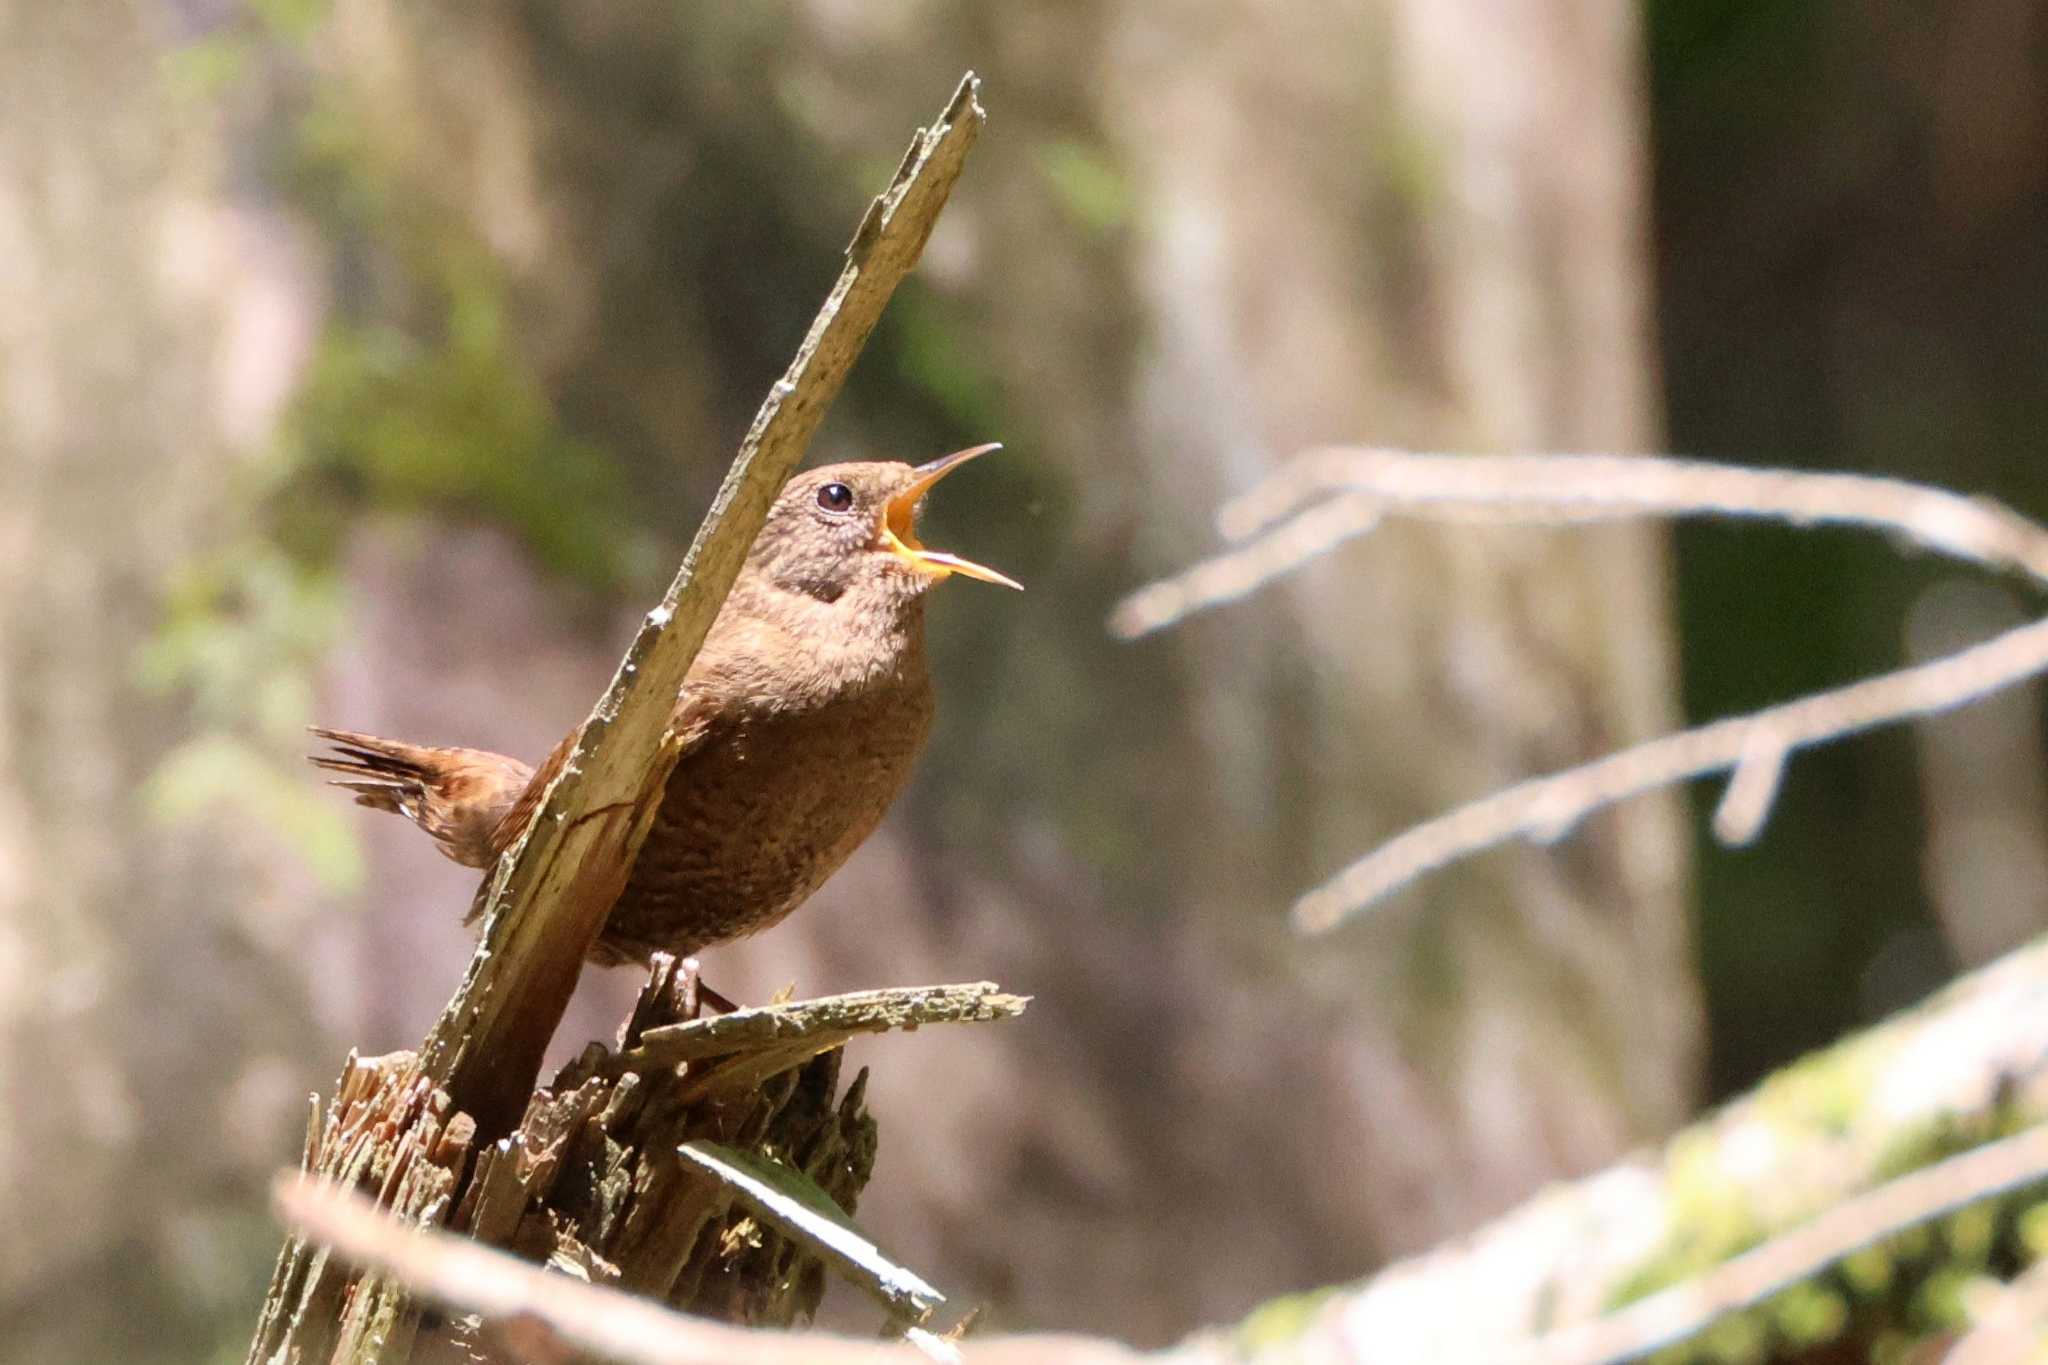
x=696, y=993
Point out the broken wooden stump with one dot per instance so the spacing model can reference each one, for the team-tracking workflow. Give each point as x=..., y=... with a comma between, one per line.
x=591, y=1182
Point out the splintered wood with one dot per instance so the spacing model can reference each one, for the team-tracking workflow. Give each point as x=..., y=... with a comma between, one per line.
x=388, y=1130
x=591, y=1182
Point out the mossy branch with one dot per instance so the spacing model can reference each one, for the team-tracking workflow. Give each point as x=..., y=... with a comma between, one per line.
x=1781, y=1222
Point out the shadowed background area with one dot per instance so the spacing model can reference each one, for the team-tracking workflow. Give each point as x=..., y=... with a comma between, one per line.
x=371, y=364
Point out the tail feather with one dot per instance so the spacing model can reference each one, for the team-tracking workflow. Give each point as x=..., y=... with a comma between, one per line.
x=461, y=797
x=384, y=775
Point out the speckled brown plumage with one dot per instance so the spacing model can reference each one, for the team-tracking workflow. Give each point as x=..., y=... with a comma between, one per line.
x=798, y=725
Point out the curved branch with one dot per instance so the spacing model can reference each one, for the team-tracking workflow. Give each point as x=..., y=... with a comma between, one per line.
x=1683, y=1311
x=1277, y=538
x=1361, y=486
x=1234, y=573
x=1547, y=808
x=1571, y=488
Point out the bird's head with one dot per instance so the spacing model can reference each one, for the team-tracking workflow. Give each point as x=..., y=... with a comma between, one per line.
x=852, y=528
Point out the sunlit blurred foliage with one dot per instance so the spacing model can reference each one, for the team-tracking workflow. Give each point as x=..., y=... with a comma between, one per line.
x=419, y=398
x=241, y=634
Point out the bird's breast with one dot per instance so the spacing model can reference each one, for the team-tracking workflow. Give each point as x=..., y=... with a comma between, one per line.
x=761, y=810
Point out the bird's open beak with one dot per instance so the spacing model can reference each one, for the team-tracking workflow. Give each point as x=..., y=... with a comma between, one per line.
x=899, y=537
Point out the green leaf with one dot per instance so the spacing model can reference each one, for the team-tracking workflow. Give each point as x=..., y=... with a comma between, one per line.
x=792, y=1202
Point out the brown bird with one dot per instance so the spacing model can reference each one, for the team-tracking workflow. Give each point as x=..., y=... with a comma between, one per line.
x=798, y=724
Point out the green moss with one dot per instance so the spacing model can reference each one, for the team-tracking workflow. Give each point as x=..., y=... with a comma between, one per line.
x=1911, y=1282
x=1969, y=1235
x=1939, y=1303
x=1808, y=1314
x=1712, y=1218
x=1944, y=1137
x=418, y=397
x=1822, y=1093
x=2031, y=1226
x=1868, y=1273
x=950, y=370
x=1280, y=1321
x=1736, y=1340
x=1903, y=1289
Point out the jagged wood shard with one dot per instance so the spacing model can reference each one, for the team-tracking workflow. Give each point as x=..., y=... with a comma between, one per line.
x=825, y=1022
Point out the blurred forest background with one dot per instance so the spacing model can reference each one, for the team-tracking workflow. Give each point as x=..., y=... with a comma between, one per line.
x=372, y=363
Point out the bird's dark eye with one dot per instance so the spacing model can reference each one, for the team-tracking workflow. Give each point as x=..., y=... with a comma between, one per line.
x=835, y=497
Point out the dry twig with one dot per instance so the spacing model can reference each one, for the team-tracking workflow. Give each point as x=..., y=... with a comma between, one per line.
x=554, y=1316
x=1547, y=808
x=1364, y=486
x=815, y=1025
x=1572, y=488
x=565, y=1313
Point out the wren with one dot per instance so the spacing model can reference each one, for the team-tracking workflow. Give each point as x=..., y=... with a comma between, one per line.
x=797, y=725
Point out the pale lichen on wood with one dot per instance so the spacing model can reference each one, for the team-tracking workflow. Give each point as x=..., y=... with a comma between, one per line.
x=825, y=1022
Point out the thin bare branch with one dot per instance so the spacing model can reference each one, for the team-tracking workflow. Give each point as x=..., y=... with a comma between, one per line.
x=1684, y=1310
x=1546, y=488
x=1233, y=574
x=1547, y=808
x=464, y=1277
x=1759, y=772
x=1364, y=486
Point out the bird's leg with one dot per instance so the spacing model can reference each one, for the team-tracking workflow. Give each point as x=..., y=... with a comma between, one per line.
x=687, y=994
x=697, y=993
